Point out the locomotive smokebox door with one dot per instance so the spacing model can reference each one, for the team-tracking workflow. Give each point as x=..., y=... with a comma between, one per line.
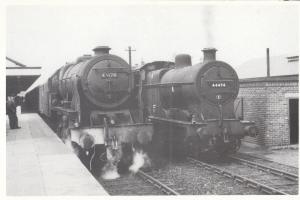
x=107, y=81
x=217, y=83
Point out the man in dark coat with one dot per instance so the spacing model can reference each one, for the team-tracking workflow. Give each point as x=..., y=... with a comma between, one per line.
x=11, y=110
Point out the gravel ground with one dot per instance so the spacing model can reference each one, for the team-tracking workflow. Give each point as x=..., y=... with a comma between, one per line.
x=269, y=163
x=129, y=185
x=275, y=181
x=188, y=179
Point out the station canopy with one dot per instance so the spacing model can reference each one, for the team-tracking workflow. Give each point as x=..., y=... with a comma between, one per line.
x=19, y=77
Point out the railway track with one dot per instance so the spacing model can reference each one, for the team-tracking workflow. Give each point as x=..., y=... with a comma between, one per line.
x=267, y=162
x=163, y=187
x=265, y=168
x=183, y=178
x=139, y=184
x=186, y=178
x=262, y=178
x=130, y=185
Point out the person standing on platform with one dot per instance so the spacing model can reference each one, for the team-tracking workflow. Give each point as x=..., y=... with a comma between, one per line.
x=12, y=113
x=9, y=111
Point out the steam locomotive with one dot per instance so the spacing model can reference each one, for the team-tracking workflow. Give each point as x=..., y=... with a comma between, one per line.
x=193, y=105
x=106, y=109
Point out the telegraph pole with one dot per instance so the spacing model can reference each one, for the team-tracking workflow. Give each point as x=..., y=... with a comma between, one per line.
x=268, y=62
x=129, y=52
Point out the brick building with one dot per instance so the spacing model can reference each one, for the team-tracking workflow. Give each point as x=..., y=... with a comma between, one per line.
x=272, y=102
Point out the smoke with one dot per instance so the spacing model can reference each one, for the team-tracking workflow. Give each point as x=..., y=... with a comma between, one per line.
x=69, y=145
x=110, y=171
x=208, y=23
x=140, y=159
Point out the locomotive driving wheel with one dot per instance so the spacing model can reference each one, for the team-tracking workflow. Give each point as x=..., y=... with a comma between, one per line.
x=228, y=148
x=221, y=147
x=192, y=147
x=235, y=145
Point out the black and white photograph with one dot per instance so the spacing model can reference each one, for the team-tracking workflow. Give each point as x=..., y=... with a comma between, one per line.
x=150, y=98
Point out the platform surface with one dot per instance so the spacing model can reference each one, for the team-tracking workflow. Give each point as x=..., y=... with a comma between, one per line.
x=38, y=163
x=284, y=156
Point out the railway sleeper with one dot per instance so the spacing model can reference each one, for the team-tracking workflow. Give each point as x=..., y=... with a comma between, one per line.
x=238, y=179
x=267, y=169
x=249, y=183
x=252, y=185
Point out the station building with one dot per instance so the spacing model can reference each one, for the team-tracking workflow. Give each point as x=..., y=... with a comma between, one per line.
x=272, y=102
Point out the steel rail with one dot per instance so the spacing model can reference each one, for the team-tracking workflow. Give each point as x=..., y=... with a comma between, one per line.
x=248, y=182
x=272, y=170
x=157, y=183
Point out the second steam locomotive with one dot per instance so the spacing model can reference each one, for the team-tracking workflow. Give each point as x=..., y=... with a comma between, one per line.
x=105, y=108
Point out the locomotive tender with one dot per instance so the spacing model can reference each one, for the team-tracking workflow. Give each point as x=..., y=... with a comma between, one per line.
x=100, y=103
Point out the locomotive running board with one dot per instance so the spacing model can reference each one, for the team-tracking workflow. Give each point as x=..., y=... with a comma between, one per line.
x=173, y=121
x=159, y=85
x=63, y=110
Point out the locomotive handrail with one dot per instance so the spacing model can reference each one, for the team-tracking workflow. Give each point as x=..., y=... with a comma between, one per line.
x=121, y=125
x=216, y=120
x=62, y=109
x=118, y=69
x=246, y=122
x=167, y=84
x=189, y=123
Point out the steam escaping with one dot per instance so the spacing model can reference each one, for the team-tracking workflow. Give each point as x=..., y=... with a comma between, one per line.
x=110, y=171
x=68, y=143
x=140, y=159
x=208, y=22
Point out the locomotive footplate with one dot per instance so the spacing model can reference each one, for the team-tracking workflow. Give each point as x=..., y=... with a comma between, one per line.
x=131, y=133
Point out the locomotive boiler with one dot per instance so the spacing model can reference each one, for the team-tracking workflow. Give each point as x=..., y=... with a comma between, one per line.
x=192, y=106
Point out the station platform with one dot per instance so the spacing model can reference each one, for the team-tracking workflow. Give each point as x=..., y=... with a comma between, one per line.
x=39, y=163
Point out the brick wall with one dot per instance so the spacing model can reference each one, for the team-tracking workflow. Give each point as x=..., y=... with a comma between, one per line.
x=267, y=103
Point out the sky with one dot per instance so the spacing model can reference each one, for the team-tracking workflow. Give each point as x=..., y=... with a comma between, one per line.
x=50, y=36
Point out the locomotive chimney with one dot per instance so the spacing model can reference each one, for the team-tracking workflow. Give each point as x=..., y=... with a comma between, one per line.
x=101, y=50
x=209, y=54
x=183, y=60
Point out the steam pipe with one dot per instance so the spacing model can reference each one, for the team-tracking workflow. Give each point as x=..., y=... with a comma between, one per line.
x=105, y=131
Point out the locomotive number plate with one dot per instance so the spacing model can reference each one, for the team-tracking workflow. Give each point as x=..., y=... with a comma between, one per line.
x=109, y=75
x=219, y=84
